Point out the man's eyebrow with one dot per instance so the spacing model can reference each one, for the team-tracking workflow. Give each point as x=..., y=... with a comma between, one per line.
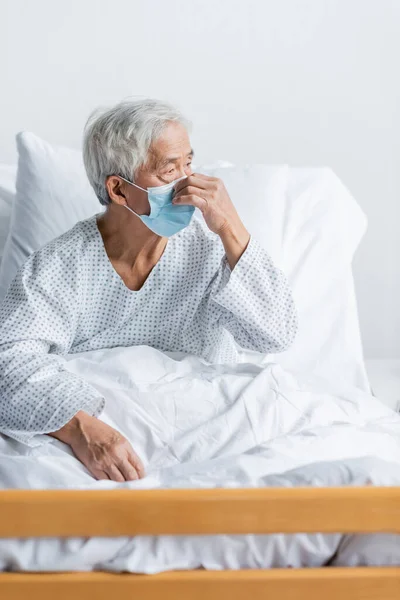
x=172, y=159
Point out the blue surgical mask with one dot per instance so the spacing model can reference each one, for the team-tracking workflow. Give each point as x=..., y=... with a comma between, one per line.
x=165, y=218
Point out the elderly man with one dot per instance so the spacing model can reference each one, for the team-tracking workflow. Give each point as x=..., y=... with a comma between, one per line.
x=146, y=271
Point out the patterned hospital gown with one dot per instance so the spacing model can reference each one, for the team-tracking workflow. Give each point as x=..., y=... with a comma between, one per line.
x=68, y=298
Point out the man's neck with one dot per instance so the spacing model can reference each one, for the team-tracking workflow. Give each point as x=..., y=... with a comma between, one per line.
x=126, y=239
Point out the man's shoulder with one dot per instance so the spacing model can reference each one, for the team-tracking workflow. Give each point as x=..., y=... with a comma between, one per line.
x=63, y=253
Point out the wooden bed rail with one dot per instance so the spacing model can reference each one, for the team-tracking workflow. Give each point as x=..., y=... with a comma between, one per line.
x=364, y=583
x=69, y=513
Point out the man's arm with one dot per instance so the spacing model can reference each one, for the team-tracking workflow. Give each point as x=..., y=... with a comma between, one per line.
x=250, y=296
x=38, y=395
x=254, y=302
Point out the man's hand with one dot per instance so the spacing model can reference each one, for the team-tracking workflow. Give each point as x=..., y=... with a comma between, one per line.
x=104, y=451
x=210, y=196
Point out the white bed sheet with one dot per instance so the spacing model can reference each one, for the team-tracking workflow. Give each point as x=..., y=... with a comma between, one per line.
x=201, y=425
x=384, y=377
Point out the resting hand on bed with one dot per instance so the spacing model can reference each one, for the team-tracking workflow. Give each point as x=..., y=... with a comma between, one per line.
x=104, y=451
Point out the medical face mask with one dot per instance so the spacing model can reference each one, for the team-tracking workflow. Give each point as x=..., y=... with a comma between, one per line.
x=165, y=218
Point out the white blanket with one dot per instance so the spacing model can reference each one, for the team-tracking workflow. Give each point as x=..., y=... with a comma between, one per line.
x=201, y=425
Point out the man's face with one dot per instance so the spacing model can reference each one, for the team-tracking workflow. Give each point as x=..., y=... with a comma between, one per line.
x=170, y=157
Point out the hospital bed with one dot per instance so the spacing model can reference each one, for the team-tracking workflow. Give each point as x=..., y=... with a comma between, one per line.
x=28, y=513
x=127, y=512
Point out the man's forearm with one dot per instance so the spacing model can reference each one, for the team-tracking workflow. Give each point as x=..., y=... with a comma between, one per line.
x=235, y=240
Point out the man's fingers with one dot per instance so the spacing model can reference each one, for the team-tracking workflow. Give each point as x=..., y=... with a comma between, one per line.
x=204, y=177
x=115, y=474
x=124, y=471
x=191, y=200
x=193, y=180
x=136, y=463
x=191, y=190
x=99, y=474
x=128, y=470
x=139, y=468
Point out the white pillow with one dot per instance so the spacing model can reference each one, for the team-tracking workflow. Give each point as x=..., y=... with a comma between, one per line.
x=259, y=195
x=53, y=193
x=311, y=232
x=7, y=196
x=305, y=219
x=324, y=226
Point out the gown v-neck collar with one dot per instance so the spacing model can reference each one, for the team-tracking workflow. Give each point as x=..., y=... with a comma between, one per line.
x=156, y=269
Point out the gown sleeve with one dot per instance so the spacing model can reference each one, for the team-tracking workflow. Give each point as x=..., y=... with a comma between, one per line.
x=254, y=302
x=37, y=326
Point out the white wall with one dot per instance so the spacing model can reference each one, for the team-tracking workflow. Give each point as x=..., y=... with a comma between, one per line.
x=307, y=82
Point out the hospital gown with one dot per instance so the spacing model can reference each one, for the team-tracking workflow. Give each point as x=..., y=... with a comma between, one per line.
x=68, y=298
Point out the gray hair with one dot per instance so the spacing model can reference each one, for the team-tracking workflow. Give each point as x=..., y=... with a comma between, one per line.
x=117, y=140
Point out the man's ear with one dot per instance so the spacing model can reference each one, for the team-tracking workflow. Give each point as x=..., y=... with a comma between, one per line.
x=115, y=190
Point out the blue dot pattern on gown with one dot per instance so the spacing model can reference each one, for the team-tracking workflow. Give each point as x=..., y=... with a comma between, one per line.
x=68, y=298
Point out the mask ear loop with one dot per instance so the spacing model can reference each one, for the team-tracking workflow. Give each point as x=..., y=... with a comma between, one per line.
x=131, y=183
x=140, y=188
x=132, y=211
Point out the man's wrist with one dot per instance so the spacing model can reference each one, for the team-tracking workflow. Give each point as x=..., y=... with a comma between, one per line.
x=235, y=239
x=70, y=430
